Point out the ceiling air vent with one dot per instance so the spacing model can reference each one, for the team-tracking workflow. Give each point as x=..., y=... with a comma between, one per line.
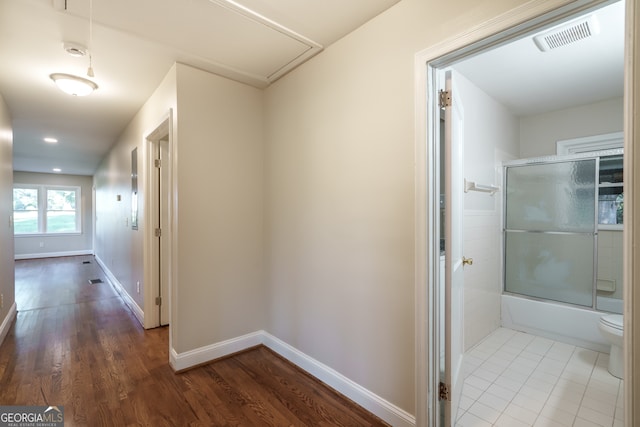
x=568, y=33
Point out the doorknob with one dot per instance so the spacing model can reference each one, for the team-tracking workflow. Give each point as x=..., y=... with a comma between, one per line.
x=467, y=261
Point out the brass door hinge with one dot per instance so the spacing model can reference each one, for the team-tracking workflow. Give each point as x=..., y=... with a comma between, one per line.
x=444, y=98
x=443, y=392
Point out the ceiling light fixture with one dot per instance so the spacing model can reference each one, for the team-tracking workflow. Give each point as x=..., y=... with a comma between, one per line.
x=73, y=85
x=50, y=140
x=57, y=170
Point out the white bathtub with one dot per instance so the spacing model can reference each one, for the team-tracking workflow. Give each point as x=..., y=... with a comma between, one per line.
x=560, y=322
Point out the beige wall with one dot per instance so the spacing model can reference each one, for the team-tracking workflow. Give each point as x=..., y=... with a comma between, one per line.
x=116, y=244
x=340, y=195
x=7, y=273
x=29, y=246
x=220, y=291
x=539, y=133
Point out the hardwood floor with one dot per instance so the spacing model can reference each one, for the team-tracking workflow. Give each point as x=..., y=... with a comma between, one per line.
x=77, y=345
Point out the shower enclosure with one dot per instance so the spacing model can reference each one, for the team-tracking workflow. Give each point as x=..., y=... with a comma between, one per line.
x=555, y=209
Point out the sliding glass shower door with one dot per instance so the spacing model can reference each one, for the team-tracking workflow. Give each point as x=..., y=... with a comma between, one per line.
x=550, y=230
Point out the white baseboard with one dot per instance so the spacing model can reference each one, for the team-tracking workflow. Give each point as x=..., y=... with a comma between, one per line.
x=375, y=404
x=8, y=320
x=53, y=254
x=191, y=358
x=363, y=397
x=135, y=308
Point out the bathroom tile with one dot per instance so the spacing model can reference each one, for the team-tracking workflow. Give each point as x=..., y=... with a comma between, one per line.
x=557, y=415
x=471, y=392
x=602, y=393
x=581, y=422
x=484, y=412
x=494, y=402
x=517, y=374
x=603, y=407
x=509, y=383
x=595, y=416
x=465, y=403
x=521, y=414
x=517, y=379
x=477, y=382
x=581, y=378
x=565, y=403
x=470, y=420
x=519, y=370
x=508, y=421
x=540, y=375
x=486, y=375
x=533, y=403
x=584, y=355
x=531, y=357
x=540, y=385
x=571, y=387
x=551, y=367
x=493, y=366
x=539, y=346
x=500, y=391
x=547, y=422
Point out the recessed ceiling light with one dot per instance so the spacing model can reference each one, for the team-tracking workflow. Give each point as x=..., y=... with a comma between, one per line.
x=73, y=85
x=57, y=170
x=50, y=140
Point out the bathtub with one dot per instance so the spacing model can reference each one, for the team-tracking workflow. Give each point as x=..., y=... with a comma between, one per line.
x=564, y=323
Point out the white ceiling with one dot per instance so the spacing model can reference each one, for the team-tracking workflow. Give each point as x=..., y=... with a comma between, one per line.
x=133, y=45
x=529, y=81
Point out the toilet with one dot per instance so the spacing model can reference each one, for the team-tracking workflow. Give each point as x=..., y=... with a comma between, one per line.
x=611, y=328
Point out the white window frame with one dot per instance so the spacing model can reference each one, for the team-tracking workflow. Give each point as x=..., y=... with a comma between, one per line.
x=42, y=209
x=587, y=144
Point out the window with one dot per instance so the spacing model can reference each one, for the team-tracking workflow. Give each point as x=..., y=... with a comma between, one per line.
x=40, y=209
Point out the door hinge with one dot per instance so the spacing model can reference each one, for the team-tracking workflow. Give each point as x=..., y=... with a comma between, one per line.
x=158, y=232
x=444, y=99
x=443, y=392
x=158, y=300
x=157, y=163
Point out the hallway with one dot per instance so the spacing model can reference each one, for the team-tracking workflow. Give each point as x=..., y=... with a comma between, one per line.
x=76, y=344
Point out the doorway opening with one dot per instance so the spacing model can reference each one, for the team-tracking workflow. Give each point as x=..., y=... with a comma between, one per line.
x=438, y=395
x=157, y=230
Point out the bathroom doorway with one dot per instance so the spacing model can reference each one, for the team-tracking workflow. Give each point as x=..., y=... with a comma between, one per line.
x=485, y=209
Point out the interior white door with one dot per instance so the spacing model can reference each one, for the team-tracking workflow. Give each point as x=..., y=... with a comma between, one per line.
x=454, y=276
x=163, y=213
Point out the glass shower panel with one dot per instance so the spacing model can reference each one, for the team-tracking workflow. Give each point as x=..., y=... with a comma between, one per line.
x=550, y=225
x=552, y=196
x=556, y=267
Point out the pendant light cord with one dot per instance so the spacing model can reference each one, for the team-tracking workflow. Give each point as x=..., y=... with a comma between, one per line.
x=90, y=69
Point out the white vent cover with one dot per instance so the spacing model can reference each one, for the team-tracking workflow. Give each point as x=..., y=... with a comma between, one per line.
x=568, y=33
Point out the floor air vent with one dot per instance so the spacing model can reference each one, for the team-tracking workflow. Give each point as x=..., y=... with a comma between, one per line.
x=568, y=33
x=86, y=262
x=95, y=281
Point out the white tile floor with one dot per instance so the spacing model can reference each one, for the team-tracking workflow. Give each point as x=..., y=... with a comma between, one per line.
x=515, y=379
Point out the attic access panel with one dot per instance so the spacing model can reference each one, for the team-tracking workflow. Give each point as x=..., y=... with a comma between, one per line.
x=217, y=32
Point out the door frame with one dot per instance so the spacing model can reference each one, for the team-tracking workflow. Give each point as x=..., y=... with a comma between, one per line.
x=510, y=25
x=150, y=241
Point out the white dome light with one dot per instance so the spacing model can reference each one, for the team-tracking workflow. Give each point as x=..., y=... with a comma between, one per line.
x=73, y=85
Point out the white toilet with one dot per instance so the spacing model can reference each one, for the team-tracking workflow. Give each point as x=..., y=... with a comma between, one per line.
x=611, y=328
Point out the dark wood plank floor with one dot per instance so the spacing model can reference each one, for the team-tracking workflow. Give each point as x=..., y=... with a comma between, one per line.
x=77, y=345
